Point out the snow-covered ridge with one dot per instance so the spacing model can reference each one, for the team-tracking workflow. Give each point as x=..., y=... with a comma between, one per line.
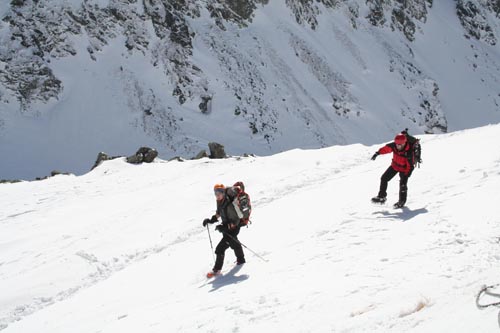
x=122, y=249
x=79, y=77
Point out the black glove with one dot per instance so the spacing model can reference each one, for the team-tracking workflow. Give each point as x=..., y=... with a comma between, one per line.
x=220, y=228
x=205, y=222
x=375, y=156
x=213, y=219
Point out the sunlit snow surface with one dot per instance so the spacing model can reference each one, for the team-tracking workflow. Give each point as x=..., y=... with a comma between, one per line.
x=122, y=248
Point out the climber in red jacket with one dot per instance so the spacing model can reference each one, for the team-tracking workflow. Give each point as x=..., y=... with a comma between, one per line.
x=403, y=162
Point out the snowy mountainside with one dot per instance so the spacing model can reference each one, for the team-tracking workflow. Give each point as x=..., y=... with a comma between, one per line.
x=122, y=249
x=79, y=77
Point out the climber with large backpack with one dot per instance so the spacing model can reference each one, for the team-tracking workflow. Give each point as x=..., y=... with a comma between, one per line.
x=406, y=155
x=233, y=208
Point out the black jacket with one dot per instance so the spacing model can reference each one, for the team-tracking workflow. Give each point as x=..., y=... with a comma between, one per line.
x=227, y=212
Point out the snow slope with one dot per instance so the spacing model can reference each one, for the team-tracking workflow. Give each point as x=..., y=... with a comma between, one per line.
x=122, y=249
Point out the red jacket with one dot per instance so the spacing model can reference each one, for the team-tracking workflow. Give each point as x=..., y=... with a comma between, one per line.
x=400, y=159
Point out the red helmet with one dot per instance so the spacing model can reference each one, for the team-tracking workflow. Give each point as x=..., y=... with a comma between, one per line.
x=400, y=139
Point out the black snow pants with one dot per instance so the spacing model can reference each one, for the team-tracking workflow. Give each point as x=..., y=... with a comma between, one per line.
x=224, y=244
x=403, y=183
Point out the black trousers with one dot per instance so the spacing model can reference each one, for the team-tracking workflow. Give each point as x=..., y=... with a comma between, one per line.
x=224, y=244
x=403, y=183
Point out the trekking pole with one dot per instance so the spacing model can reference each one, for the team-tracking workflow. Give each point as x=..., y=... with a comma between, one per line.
x=210, y=238
x=237, y=241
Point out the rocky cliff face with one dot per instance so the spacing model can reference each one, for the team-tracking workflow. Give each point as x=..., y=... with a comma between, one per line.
x=473, y=17
x=215, y=50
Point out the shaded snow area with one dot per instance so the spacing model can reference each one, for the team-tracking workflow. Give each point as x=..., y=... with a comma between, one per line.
x=82, y=77
x=122, y=248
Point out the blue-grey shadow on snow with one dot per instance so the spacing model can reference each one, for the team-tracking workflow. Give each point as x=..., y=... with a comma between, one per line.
x=228, y=278
x=404, y=214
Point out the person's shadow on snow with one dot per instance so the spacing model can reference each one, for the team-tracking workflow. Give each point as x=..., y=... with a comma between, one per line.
x=228, y=278
x=404, y=214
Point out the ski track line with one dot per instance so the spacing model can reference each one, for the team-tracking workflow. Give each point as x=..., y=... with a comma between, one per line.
x=328, y=175
x=104, y=270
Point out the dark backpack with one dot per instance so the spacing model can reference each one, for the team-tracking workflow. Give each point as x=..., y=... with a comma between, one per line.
x=415, y=156
x=241, y=202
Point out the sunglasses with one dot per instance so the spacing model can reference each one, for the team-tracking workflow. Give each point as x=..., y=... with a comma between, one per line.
x=216, y=192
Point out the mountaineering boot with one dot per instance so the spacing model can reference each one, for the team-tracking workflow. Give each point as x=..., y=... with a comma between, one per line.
x=379, y=200
x=211, y=274
x=399, y=204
